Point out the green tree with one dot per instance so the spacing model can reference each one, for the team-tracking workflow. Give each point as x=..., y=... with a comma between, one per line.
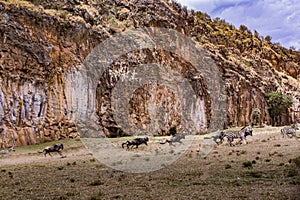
x=268, y=38
x=244, y=28
x=293, y=48
x=278, y=104
x=256, y=34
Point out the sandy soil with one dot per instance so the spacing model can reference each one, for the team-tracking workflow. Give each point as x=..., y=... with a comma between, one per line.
x=266, y=168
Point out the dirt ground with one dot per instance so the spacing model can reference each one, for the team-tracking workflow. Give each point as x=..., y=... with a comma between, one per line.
x=268, y=167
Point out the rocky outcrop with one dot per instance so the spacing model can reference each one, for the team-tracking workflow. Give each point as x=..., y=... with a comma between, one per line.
x=44, y=43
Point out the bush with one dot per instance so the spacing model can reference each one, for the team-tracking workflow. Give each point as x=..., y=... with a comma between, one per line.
x=227, y=166
x=255, y=116
x=292, y=172
x=296, y=161
x=96, y=182
x=255, y=174
x=247, y=164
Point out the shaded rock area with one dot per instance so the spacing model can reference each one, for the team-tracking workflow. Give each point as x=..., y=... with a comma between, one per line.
x=44, y=43
x=151, y=95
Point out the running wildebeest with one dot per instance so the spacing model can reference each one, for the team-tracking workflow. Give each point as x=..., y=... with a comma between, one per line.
x=135, y=142
x=54, y=148
x=176, y=138
x=218, y=138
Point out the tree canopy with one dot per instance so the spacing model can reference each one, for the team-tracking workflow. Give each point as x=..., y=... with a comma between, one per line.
x=278, y=104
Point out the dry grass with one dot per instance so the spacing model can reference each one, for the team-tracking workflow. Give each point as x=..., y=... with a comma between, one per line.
x=266, y=168
x=19, y=2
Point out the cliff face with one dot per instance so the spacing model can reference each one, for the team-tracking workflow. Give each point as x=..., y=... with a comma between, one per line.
x=43, y=44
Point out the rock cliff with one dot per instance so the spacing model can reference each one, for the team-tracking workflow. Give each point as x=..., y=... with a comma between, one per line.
x=44, y=43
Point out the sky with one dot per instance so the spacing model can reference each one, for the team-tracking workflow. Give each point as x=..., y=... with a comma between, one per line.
x=278, y=18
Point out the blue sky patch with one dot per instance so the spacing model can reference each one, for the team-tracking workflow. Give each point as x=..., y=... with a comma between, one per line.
x=278, y=18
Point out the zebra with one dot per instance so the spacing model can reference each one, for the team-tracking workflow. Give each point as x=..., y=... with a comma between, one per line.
x=6, y=151
x=176, y=138
x=218, y=138
x=54, y=148
x=241, y=134
x=136, y=142
x=289, y=131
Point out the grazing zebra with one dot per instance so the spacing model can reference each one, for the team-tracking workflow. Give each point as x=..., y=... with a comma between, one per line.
x=54, y=148
x=176, y=138
x=291, y=132
x=6, y=151
x=218, y=138
x=135, y=142
x=241, y=134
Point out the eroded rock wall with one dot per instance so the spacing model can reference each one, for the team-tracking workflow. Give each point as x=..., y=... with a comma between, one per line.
x=44, y=43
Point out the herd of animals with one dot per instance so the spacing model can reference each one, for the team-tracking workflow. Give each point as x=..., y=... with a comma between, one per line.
x=218, y=139
x=138, y=141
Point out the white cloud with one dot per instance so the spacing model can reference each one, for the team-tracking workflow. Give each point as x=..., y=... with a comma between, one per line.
x=277, y=18
x=209, y=5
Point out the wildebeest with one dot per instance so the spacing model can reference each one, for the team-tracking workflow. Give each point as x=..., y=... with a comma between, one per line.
x=218, y=138
x=6, y=151
x=291, y=132
x=135, y=142
x=176, y=138
x=54, y=148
